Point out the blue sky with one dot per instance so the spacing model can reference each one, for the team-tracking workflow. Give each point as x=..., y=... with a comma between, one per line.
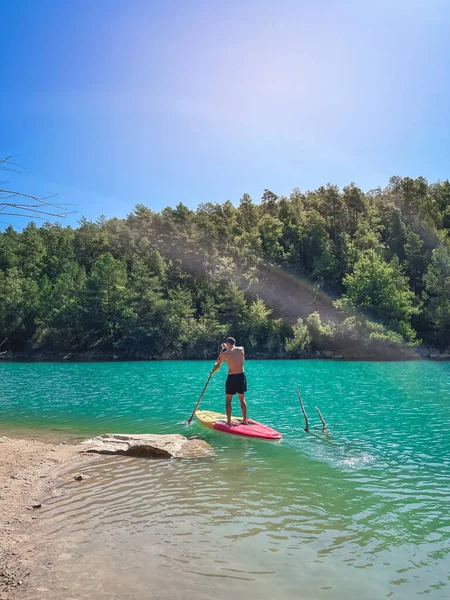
x=110, y=103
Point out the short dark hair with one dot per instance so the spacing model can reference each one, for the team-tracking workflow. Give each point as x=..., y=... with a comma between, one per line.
x=230, y=340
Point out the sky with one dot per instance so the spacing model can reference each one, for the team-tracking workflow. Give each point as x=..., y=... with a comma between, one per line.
x=112, y=103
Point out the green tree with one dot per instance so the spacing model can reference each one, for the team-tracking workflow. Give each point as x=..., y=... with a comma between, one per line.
x=270, y=229
x=379, y=289
x=105, y=301
x=232, y=309
x=61, y=322
x=354, y=201
x=59, y=252
x=417, y=258
x=269, y=203
x=331, y=207
x=200, y=337
x=301, y=339
x=32, y=253
x=437, y=288
x=263, y=334
x=247, y=214
x=320, y=335
x=91, y=241
x=317, y=249
x=147, y=331
x=19, y=305
x=9, y=248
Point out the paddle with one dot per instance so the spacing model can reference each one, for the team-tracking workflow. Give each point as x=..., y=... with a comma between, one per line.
x=201, y=395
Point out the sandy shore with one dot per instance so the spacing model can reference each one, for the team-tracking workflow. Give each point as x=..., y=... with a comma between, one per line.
x=30, y=470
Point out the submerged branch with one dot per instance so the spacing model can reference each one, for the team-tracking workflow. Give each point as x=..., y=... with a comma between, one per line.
x=325, y=430
x=303, y=411
x=324, y=425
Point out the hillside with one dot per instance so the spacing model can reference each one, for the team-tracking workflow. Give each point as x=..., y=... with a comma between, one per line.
x=359, y=274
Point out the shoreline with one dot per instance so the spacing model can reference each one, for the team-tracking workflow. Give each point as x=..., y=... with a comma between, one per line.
x=415, y=358
x=402, y=356
x=30, y=471
x=34, y=469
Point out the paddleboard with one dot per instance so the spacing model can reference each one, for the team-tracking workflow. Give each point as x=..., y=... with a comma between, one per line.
x=218, y=421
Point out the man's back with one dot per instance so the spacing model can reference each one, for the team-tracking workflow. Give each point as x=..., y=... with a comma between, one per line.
x=235, y=359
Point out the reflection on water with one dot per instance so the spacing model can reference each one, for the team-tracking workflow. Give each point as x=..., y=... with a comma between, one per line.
x=363, y=514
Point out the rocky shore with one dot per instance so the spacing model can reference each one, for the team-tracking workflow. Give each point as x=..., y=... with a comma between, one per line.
x=382, y=353
x=32, y=470
x=28, y=472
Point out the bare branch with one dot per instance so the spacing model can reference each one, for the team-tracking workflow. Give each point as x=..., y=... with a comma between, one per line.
x=28, y=205
x=48, y=214
x=13, y=194
x=7, y=161
x=303, y=411
x=321, y=419
x=325, y=429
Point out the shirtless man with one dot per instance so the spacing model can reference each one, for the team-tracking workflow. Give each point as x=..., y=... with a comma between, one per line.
x=236, y=381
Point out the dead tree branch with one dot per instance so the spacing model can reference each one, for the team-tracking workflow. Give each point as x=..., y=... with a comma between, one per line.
x=324, y=425
x=18, y=204
x=306, y=428
x=325, y=430
x=7, y=161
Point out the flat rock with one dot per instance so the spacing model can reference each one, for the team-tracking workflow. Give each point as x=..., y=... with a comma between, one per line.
x=150, y=445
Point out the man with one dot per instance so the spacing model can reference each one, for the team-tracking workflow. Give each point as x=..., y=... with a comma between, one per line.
x=236, y=381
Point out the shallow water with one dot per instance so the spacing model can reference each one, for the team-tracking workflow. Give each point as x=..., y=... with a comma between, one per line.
x=363, y=514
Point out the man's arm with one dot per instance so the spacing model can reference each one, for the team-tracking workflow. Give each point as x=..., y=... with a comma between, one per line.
x=219, y=362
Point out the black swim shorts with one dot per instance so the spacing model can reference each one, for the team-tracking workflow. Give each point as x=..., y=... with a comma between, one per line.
x=236, y=384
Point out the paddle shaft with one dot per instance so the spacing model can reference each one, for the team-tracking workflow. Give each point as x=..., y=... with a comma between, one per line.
x=201, y=395
x=199, y=400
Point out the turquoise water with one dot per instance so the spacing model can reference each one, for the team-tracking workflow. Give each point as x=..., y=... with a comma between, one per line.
x=363, y=514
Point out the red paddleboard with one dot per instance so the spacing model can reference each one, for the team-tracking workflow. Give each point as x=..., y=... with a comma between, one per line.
x=254, y=429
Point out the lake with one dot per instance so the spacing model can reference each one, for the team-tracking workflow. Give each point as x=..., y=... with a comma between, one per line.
x=363, y=514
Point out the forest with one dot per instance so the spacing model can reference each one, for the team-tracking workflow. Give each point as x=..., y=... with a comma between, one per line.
x=360, y=274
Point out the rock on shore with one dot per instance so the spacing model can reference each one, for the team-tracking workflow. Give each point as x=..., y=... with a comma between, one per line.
x=157, y=446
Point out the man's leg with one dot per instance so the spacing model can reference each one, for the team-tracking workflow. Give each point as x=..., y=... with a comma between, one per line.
x=243, y=408
x=229, y=398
